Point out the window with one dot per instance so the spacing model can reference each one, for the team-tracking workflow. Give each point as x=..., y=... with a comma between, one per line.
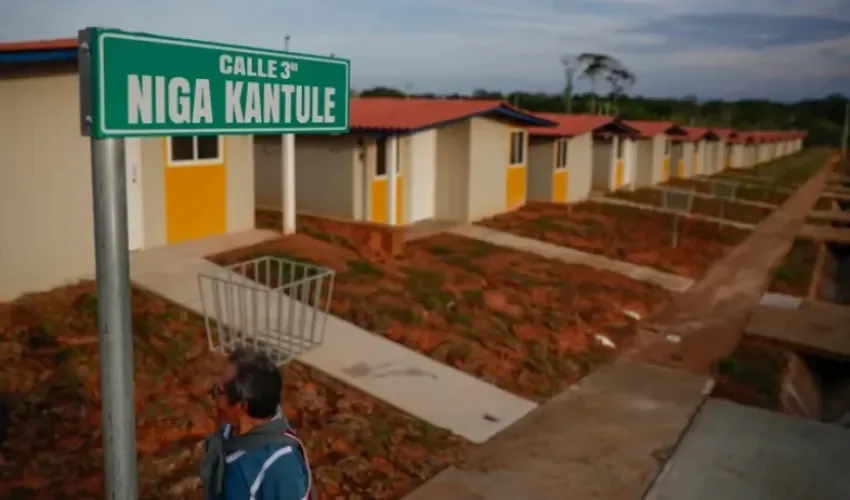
x=517, y=147
x=620, y=142
x=561, y=154
x=667, y=146
x=194, y=149
x=381, y=158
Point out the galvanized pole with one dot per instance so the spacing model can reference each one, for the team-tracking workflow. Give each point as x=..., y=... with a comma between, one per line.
x=114, y=311
x=114, y=319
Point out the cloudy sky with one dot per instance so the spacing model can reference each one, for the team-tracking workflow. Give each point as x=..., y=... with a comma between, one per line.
x=785, y=49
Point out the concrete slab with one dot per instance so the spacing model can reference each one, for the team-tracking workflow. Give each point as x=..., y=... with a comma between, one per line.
x=702, y=325
x=836, y=194
x=668, y=281
x=781, y=301
x=412, y=382
x=603, y=439
x=734, y=452
x=827, y=234
x=830, y=215
x=813, y=328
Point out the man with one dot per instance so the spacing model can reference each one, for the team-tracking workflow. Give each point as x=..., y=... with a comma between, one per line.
x=255, y=455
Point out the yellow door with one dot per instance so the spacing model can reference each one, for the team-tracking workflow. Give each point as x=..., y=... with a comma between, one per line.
x=378, y=188
x=378, y=192
x=696, y=164
x=680, y=168
x=515, y=176
x=666, y=168
x=619, y=172
x=380, y=200
x=515, y=187
x=559, y=185
x=195, y=188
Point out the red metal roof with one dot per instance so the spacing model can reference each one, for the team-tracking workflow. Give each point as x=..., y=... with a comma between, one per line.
x=57, y=44
x=570, y=125
x=650, y=128
x=698, y=133
x=400, y=114
x=725, y=134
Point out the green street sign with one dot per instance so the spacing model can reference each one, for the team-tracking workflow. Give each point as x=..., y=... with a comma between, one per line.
x=135, y=84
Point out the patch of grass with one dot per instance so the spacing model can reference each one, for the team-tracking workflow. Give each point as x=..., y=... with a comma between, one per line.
x=364, y=268
x=758, y=369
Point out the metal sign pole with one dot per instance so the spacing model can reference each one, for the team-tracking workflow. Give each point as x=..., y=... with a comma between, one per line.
x=114, y=319
x=114, y=312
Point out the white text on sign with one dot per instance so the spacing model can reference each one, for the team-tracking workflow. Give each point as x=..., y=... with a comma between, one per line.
x=156, y=99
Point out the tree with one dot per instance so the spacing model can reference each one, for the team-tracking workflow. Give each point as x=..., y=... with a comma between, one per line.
x=822, y=118
x=594, y=67
x=571, y=67
x=620, y=78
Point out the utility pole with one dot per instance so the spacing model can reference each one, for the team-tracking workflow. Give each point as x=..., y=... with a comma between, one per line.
x=288, y=216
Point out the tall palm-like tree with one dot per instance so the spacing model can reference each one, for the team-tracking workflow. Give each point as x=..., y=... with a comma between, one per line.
x=620, y=78
x=595, y=66
x=571, y=66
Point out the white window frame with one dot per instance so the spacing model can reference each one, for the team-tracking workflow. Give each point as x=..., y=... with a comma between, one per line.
x=522, y=148
x=382, y=145
x=561, y=155
x=195, y=162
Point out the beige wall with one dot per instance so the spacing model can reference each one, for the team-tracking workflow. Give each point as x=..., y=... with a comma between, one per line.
x=645, y=166
x=603, y=149
x=541, y=163
x=688, y=155
x=324, y=173
x=580, y=167
x=453, y=153
x=46, y=226
x=488, y=160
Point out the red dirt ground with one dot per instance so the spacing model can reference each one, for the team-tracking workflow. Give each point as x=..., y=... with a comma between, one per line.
x=519, y=321
x=794, y=274
x=359, y=447
x=624, y=233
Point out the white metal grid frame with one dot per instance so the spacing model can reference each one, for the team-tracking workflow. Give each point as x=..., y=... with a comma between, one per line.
x=679, y=202
x=272, y=304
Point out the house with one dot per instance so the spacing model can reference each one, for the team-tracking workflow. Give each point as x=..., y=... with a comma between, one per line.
x=697, y=142
x=764, y=145
x=741, y=148
x=407, y=161
x=614, y=159
x=560, y=158
x=723, y=153
x=654, y=149
x=178, y=188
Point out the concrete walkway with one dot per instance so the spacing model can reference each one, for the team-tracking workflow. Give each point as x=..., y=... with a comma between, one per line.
x=412, y=382
x=668, y=281
x=604, y=438
x=653, y=208
x=734, y=452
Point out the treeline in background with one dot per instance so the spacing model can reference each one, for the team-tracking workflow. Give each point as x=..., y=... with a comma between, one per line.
x=610, y=81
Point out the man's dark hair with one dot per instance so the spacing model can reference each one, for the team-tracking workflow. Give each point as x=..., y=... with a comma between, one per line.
x=257, y=382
